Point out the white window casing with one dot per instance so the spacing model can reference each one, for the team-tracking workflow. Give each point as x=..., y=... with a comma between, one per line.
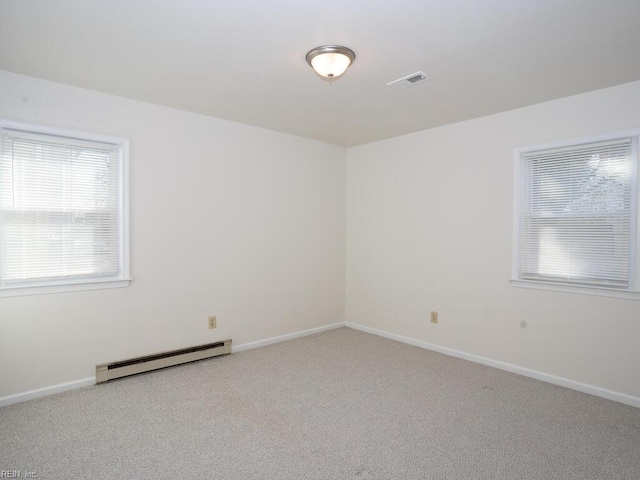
x=575, y=216
x=64, y=213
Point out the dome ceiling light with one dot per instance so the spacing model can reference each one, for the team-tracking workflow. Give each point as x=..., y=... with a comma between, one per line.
x=330, y=61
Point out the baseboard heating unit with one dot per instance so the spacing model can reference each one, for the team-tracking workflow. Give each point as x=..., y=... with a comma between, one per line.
x=133, y=366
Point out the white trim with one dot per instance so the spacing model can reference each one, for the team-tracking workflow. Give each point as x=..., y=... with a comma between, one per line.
x=85, y=382
x=634, y=240
x=124, y=232
x=46, y=391
x=284, y=338
x=634, y=132
x=61, y=288
x=556, y=287
x=62, y=132
x=545, y=377
x=120, y=280
x=563, y=382
x=517, y=214
x=634, y=267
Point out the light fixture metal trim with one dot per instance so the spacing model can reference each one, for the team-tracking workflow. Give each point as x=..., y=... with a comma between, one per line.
x=330, y=49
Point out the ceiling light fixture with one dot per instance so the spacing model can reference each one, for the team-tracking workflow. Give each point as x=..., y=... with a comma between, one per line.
x=330, y=61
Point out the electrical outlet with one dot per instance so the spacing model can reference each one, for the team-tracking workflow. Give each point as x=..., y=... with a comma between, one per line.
x=434, y=317
x=212, y=321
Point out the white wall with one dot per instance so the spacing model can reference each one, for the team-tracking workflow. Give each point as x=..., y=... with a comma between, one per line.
x=249, y=224
x=430, y=228
x=226, y=219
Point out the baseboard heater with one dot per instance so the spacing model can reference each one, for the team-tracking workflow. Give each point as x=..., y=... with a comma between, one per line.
x=132, y=366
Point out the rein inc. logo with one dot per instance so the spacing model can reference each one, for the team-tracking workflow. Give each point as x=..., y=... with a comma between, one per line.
x=17, y=474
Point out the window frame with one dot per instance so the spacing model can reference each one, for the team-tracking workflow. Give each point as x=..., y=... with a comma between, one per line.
x=122, y=279
x=631, y=291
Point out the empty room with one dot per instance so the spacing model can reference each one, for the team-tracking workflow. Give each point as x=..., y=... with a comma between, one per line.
x=319, y=240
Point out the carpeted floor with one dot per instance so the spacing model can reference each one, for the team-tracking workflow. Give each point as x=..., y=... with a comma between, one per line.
x=337, y=405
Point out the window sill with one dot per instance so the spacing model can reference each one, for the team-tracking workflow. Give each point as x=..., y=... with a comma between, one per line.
x=601, y=292
x=63, y=288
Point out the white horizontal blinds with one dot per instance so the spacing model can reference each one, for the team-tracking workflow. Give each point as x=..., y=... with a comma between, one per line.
x=58, y=208
x=576, y=222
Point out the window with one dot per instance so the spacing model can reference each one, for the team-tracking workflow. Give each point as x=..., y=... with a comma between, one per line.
x=576, y=216
x=63, y=210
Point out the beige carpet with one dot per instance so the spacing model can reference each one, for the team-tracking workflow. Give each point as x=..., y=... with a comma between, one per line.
x=337, y=405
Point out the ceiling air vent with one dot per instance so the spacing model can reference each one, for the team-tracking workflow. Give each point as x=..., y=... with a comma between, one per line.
x=409, y=80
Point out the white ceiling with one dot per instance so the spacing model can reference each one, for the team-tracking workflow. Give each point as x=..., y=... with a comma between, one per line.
x=243, y=60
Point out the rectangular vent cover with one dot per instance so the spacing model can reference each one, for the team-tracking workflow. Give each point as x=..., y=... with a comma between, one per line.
x=409, y=80
x=132, y=366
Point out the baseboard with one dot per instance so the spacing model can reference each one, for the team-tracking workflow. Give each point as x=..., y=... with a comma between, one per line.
x=46, y=391
x=284, y=338
x=545, y=377
x=85, y=382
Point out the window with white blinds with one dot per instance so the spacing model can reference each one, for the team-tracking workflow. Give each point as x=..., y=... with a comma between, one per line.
x=62, y=211
x=576, y=214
